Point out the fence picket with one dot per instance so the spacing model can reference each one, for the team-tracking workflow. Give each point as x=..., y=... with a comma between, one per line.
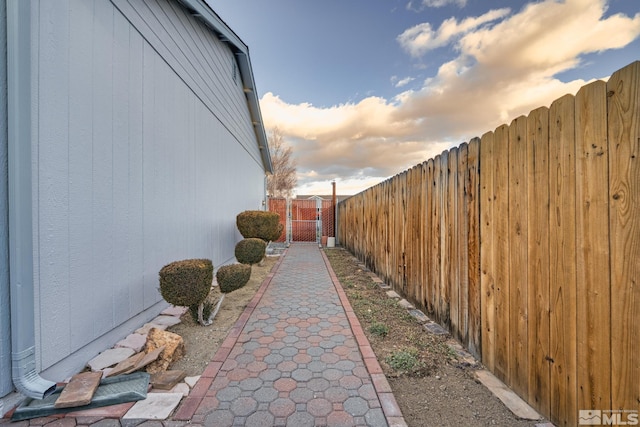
x=624, y=216
x=592, y=213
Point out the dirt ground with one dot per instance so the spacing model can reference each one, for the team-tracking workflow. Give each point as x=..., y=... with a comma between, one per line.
x=439, y=390
x=432, y=387
x=202, y=342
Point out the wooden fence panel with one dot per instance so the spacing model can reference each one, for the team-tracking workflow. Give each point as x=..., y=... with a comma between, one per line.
x=562, y=261
x=525, y=244
x=537, y=144
x=592, y=213
x=518, y=267
x=472, y=191
x=623, y=111
x=462, y=240
x=500, y=252
x=487, y=261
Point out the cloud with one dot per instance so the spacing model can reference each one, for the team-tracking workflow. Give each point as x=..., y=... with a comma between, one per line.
x=397, y=82
x=421, y=38
x=505, y=66
x=439, y=3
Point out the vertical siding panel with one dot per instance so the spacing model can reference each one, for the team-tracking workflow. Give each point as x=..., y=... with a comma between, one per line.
x=624, y=222
x=487, y=250
x=102, y=163
x=121, y=235
x=594, y=304
x=80, y=169
x=537, y=145
x=135, y=224
x=500, y=243
x=562, y=261
x=518, y=287
x=52, y=232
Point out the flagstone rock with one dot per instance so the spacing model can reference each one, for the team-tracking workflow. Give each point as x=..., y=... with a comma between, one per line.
x=393, y=294
x=166, y=320
x=109, y=358
x=406, y=304
x=144, y=330
x=173, y=349
x=135, y=342
x=79, y=391
x=174, y=311
x=157, y=406
x=191, y=381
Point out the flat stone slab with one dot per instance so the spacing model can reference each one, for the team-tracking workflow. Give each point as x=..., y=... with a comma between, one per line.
x=419, y=316
x=519, y=407
x=166, y=380
x=174, y=311
x=126, y=366
x=393, y=294
x=144, y=330
x=166, y=320
x=157, y=406
x=405, y=304
x=191, y=381
x=181, y=388
x=79, y=391
x=110, y=357
x=434, y=328
x=133, y=341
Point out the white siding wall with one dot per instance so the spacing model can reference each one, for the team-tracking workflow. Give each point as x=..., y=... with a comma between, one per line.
x=144, y=153
x=5, y=304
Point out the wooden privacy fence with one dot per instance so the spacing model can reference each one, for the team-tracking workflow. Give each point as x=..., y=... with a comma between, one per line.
x=525, y=244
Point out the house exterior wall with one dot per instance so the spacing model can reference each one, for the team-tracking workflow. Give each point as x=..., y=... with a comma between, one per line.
x=5, y=303
x=143, y=153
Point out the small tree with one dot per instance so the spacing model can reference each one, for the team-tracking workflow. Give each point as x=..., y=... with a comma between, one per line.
x=187, y=283
x=233, y=276
x=250, y=251
x=263, y=225
x=283, y=180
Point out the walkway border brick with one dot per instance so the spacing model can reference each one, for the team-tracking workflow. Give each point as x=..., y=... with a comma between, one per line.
x=388, y=401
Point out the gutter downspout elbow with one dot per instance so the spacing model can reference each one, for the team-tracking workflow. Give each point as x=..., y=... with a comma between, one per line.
x=23, y=350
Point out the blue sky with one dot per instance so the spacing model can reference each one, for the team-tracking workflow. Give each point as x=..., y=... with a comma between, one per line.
x=363, y=89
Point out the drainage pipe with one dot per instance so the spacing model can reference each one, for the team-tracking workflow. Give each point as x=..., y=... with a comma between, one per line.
x=23, y=350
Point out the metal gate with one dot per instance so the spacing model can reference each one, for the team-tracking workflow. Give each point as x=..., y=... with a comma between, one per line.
x=304, y=220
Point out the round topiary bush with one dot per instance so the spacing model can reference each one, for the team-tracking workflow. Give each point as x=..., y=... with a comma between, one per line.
x=259, y=224
x=187, y=282
x=250, y=251
x=233, y=276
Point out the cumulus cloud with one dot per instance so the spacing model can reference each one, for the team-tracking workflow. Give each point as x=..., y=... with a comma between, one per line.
x=505, y=66
x=439, y=3
x=421, y=38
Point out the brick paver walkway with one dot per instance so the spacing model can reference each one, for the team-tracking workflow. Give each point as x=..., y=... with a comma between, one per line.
x=301, y=358
x=297, y=356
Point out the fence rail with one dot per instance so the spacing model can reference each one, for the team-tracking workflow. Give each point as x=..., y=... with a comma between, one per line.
x=525, y=244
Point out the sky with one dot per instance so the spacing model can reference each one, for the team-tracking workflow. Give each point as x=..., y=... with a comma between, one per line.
x=362, y=90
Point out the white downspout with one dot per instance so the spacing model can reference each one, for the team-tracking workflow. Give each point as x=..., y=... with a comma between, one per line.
x=23, y=350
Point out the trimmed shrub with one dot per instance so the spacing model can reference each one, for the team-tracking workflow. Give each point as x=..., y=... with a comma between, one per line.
x=187, y=282
x=232, y=277
x=259, y=224
x=250, y=251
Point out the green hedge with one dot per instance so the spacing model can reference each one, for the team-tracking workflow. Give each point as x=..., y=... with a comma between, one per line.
x=259, y=224
x=232, y=277
x=187, y=282
x=250, y=251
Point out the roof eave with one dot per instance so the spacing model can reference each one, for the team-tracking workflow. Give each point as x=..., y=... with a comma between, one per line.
x=203, y=11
